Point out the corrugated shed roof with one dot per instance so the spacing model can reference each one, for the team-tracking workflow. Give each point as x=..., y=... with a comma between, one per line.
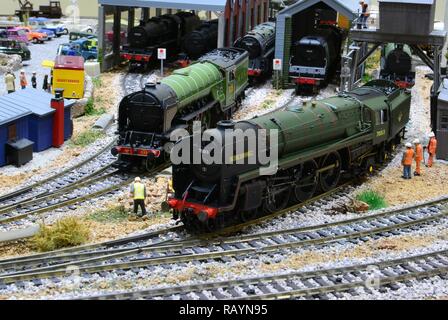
x=348, y=8
x=209, y=5
x=25, y=102
x=10, y=112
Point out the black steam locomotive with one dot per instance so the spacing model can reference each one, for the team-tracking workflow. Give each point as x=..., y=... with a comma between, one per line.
x=202, y=40
x=396, y=65
x=260, y=44
x=166, y=31
x=315, y=58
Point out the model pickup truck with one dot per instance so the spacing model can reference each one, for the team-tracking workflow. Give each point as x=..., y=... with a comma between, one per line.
x=83, y=47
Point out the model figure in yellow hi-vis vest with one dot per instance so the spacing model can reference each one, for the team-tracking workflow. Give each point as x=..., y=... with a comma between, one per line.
x=138, y=192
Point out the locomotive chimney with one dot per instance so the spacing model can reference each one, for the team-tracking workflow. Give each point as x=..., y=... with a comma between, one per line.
x=226, y=124
x=150, y=85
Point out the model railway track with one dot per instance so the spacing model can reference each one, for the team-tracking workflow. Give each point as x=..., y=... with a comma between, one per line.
x=34, y=189
x=355, y=230
x=58, y=199
x=48, y=194
x=153, y=238
x=88, y=251
x=65, y=200
x=323, y=284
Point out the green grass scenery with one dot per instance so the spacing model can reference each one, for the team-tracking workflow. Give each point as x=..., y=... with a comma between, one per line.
x=373, y=199
x=97, y=82
x=90, y=108
x=113, y=214
x=66, y=232
x=86, y=138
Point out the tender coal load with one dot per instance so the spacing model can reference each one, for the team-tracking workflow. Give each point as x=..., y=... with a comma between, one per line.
x=201, y=40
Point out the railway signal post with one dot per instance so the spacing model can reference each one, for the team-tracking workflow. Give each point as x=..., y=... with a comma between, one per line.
x=161, y=55
x=277, y=67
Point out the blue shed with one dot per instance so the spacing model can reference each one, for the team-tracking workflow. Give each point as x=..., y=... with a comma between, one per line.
x=14, y=124
x=40, y=118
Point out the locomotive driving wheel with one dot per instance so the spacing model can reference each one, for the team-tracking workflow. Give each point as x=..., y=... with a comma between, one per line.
x=278, y=193
x=330, y=171
x=306, y=181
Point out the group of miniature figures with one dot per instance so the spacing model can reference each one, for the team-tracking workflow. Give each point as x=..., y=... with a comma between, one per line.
x=417, y=153
x=10, y=81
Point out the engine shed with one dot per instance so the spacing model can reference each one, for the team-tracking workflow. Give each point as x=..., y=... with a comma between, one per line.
x=302, y=17
x=235, y=19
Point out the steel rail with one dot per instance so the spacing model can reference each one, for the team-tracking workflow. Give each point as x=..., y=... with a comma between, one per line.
x=302, y=276
x=26, y=189
x=182, y=257
x=93, y=177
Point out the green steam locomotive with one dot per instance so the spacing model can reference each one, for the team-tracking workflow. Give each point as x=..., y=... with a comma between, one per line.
x=317, y=143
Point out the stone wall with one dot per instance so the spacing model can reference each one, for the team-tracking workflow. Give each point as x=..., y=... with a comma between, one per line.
x=11, y=62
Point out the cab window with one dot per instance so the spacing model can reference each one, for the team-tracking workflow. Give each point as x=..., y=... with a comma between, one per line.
x=367, y=116
x=231, y=75
x=382, y=117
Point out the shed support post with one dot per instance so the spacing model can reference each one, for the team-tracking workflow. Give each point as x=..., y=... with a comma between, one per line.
x=101, y=36
x=354, y=64
x=445, y=46
x=131, y=19
x=231, y=22
x=248, y=15
x=116, y=35
x=240, y=31
x=221, y=29
x=435, y=88
x=145, y=14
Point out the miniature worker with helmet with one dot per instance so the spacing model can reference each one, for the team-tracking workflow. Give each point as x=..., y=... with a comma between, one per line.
x=418, y=157
x=431, y=148
x=408, y=158
x=138, y=192
x=23, y=81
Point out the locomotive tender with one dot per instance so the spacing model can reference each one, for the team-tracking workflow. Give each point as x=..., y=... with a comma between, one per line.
x=260, y=44
x=166, y=31
x=317, y=143
x=207, y=91
x=315, y=58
